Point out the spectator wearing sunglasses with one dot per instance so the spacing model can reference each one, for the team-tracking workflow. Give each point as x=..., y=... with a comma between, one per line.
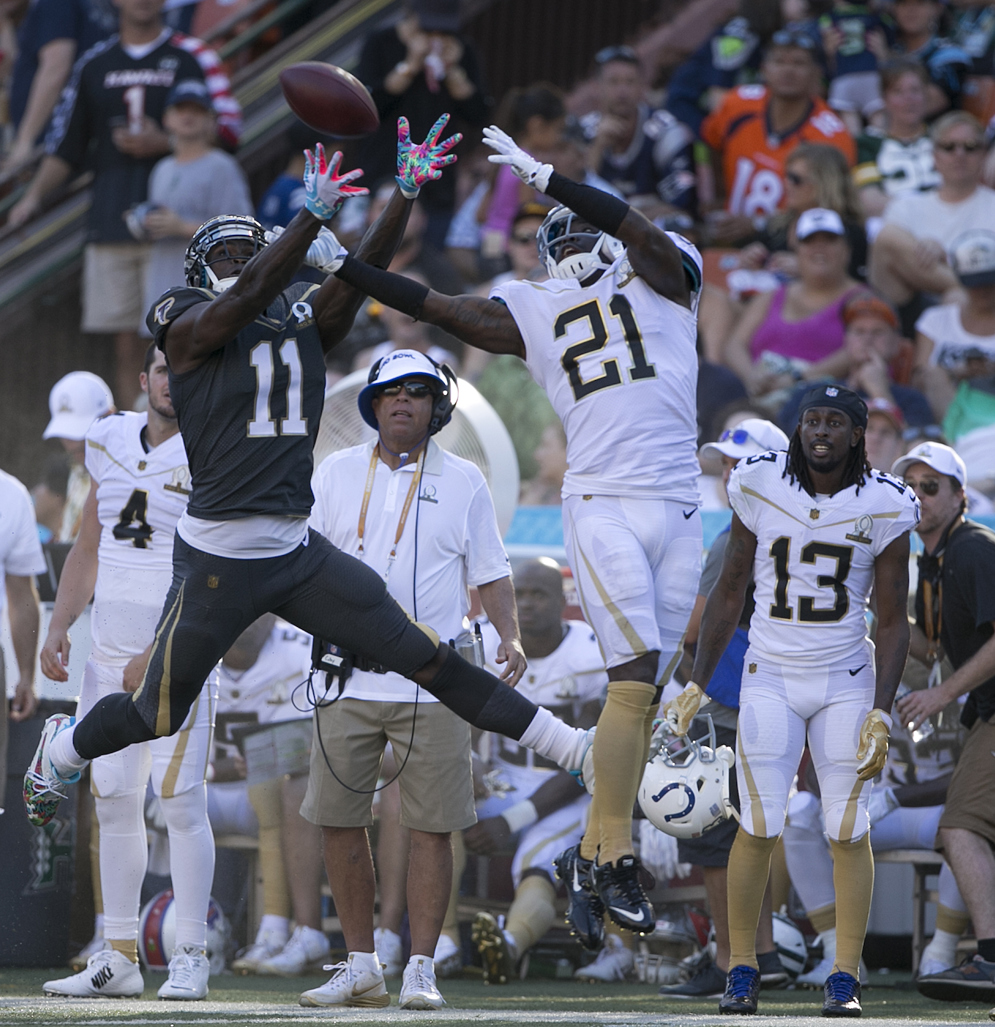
x=910, y=253
x=955, y=616
x=756, y=128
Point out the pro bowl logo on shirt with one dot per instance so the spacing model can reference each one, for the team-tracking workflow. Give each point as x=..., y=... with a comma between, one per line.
x=162, y=310
x=862, y=529
x=180, y=482
x=428, y=494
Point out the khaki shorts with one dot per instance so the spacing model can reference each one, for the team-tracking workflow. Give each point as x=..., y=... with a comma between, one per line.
x=114, y=286
x=436, y=781
x=969, y=797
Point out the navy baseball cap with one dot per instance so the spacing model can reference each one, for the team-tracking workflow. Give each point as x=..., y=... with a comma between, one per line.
x=190, y=91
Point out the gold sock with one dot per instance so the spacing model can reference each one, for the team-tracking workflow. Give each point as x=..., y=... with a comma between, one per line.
x=853, y=879
x=823, y=918
x=780, y=879
x=951, y=920
x=128, y=947
x=266, y=801
x=450, y=926
x=749, y=867
x=532, y=913
x=618, y=763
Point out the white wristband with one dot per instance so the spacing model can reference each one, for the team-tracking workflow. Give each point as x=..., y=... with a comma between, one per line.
x=522, y=814
x=886, y=717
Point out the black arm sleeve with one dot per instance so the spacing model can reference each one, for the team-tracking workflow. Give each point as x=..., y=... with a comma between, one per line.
x=394, y=290
x=604, y=211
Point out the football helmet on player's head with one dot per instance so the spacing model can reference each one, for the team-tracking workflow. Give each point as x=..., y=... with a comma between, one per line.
x=685, y=790
x=593, y=250
x=219, y=231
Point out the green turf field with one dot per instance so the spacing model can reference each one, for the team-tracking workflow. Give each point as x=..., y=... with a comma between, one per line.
x=261, y=1001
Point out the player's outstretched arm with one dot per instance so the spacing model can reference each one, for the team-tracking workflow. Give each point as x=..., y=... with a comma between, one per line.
x=891, y=642
x=483, y=323
x=725, y=602
x=653, y=256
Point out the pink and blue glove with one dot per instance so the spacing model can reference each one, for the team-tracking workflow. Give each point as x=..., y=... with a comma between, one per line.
x=423, y=163
x=324, y=188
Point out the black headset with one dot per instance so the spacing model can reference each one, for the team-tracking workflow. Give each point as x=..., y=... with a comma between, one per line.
x=445, y=400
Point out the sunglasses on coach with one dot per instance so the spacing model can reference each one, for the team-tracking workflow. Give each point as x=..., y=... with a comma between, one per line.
x=416, y=390
x=929, y=487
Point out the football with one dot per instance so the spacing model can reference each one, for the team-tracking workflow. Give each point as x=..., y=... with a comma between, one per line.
x=328, y=99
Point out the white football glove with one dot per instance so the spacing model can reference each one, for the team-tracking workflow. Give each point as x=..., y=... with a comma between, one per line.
x=880, y=803
x=681, y=710
x=658, y=852
x=528, y=169
x=326, y=253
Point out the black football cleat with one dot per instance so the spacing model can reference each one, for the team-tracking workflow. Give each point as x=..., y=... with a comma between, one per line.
x=742, y=991
x=842, y=995
x=586, y=914
x=622, y=895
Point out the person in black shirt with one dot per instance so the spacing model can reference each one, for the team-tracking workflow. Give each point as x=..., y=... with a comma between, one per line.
x=246, y=374
x=955, y=614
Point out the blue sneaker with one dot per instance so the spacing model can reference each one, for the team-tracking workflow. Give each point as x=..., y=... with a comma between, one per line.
x=42, y=784
x=742, y=991
x=586, y=914
x=842, y=995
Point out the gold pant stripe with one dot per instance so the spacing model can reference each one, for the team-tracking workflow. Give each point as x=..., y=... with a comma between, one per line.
x=849, y=820
x=163, y=721
x=172, y=774
x=756, y=806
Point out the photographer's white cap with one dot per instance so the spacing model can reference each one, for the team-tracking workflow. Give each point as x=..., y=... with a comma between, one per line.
x=942, y=459
x=75, y=402
x=748, y=438
x=819, y=219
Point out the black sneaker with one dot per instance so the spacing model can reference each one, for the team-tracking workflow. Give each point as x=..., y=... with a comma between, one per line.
x=708, y=982
x=973, y=981
x=622, y=895
x=842, y=995
x=742, y=991
x=586, y=913
x=772, y=972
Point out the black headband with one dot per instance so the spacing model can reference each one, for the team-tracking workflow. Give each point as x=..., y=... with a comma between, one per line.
x=837, y=397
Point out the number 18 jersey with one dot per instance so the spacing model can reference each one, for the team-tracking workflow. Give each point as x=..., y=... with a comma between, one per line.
x=814, y=565
x=618, y=363
x=140, y=496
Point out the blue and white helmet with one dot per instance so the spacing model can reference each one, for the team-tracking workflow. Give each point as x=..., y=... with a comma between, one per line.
x=221, y=229
x=599, y=252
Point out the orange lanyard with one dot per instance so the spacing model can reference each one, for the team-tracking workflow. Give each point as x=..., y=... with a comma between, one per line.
x=368, y=491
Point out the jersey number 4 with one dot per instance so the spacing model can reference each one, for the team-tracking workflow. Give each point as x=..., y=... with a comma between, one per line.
x=591, y=312
x=808, y=612
x=132, y=527
x=262, y=425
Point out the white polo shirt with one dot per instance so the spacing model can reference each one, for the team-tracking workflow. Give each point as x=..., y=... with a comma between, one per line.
x=450, y=541
x=20, y=550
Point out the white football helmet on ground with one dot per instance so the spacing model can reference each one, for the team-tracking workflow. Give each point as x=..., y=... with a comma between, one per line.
x=685, y=790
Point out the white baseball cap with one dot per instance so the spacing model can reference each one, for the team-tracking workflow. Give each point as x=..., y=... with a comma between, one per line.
x=942, y=459
x=819, y=219
x=748, y=438
x=75, y=402
x=397, y=366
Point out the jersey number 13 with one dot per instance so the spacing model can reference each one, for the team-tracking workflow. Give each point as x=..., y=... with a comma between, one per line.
x=808, y=612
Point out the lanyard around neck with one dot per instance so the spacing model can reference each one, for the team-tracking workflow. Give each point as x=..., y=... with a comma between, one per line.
x=368, y=491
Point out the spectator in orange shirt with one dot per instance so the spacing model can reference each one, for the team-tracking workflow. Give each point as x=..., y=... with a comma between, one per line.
x=756, y=128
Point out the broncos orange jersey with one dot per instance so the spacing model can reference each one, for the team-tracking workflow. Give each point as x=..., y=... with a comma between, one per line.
x=753, y=156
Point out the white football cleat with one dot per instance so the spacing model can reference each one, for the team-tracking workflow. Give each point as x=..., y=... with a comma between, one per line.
x=306, y=946
x=389, y=950
x=614, y=962
x=189, y=970
x=266, y=945
x=448, y=957
x=349, y=986
x=418, y=987
x=108, y=974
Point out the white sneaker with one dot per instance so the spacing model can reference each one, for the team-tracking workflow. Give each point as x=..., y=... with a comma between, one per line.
x=349, y=986
x=91, y=948
x=614, y=963
x=306, y=946
x=418, y=988
x=389, y=950
x=43, y=788
x=108, y=974
x=934, y=960
x=817, y=976
x=266, y=945
x=448, y=957
x=189, y=970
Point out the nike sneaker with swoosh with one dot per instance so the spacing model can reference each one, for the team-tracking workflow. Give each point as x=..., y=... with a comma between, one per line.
x=622, y=895
x=586, y=913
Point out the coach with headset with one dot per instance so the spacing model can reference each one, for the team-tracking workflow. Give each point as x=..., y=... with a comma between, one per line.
x=425, y=520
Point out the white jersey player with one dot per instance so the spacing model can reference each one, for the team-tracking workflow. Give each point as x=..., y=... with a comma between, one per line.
x=612, y=341
x=123, y=558
x=818, y=528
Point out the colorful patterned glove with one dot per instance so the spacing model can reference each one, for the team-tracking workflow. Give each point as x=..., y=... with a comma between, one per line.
x=873, y=748
x=417, y=165
x=326, y=253
x=528, y=169
x=324, y=188
x=680, y=711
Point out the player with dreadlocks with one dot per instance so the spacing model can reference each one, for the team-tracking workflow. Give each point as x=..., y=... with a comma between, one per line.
x=819, y=528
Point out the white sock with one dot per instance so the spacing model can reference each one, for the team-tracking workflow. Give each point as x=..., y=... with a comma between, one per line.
x=277, y=927
x=416, y=956
x=829, y=943
x=943, y=947
x=191, y=862
x=123, y=860
x=509, y=939
x=551, y=737
x=365, y=961
x=66, y=760
x=98, y=925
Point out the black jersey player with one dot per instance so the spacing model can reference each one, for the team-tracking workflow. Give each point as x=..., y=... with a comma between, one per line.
x=245, y=352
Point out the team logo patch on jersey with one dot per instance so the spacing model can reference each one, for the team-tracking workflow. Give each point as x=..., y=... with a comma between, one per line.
x=861, y=529
x=303, y=312
x=428, y=495
x=161, y=314
x=180, y=482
